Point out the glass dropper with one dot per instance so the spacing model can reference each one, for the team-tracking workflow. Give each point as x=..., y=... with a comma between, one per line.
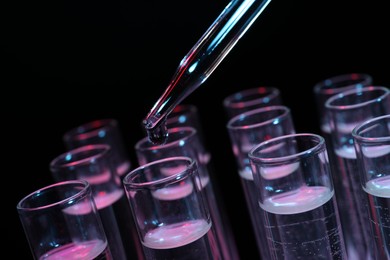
x=201, y=61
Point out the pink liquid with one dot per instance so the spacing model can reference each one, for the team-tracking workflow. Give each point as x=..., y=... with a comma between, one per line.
x=123, y=168
x=189, y=240
x=277, y=172
x=168, y=171
x=180, y=190
x=173, y=193
x=177, y=235
x=101, y=178
x=102, y=201
x=298, y=201
x=117, y=221
x=271, y=173
x=94, y=249
x=107, y=199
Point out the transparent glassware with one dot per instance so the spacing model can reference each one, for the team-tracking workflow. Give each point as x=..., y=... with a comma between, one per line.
x=329, y=87
x=93, y=164
x=332, y=86
x=101, y=131
x=295, y=190
x=61, y=222
x=346, y=110
x=171, y=211
x=203, y=58
x=245, y=131
x=184, y=141
x=372, y=146
x=252, y=98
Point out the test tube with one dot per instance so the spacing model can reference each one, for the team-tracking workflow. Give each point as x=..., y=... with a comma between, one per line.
x=251, y=98
x=332, y=86
x=329, y=87
x=101, y=131
x=93, y=164
x=372, y=145
x=171, y=212
x=184, y=141
x=346, y=110
x=61, y=222
x=245, y=131
x=295, y=190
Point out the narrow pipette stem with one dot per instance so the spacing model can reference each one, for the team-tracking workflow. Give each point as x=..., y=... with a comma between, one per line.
x=202, y=60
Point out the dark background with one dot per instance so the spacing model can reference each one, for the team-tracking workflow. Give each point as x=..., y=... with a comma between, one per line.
x=68, y=62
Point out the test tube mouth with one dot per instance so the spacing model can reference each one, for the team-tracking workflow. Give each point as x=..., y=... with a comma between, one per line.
x=363, y=131
x=342, y=82
x=82, y=155
x=251, y=119
x=35, y=201
x=144, y=177
x=251, y=97
x=307, y=144
x=355, y=98
x=90, y=129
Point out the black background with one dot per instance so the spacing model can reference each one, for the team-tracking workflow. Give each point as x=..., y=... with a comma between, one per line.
x=68, y=62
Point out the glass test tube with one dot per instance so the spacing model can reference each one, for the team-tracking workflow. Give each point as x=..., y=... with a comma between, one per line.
x=93, y=164
x=252, y=98
x=295, y=189
x=372, y=146
x=346, y=110
x=61, y=222
x=332, y=86
x=184, y=141
x=329, y=87
x=245, y=131
x=171, y=212
x=101, y=131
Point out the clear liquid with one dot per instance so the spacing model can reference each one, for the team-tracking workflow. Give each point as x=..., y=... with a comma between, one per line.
x=187, y=240
x=91, y=250
x=352, y=205
x=159, y=134
x=304, y=224
x=119, y=225
x=255, y=212
x=378, y=194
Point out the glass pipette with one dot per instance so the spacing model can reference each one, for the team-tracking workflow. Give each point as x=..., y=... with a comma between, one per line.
x=201, y=61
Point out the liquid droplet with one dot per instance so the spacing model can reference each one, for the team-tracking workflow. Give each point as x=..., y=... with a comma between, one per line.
x=158, y=135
